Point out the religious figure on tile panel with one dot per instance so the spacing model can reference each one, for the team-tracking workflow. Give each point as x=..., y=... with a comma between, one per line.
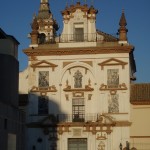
x=78, y=79
x=113, y=104
x=43, y=78
x=112, y=78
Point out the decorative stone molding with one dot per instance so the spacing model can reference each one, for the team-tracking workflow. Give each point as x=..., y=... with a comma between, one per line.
x=140, y=102
x=78, y=94
x=69, y=89
x=46, y=89
x=86, y=89
x=101, y=137
x=89, y=96
x=67, y=97
x=67, y=63
x=115, y=113
x=123, y=123
x=43, y=64
x=77, y=51
x=88, y=62
x=140, y=137
x=33, y=58
x=104, y=124
x=113, y=62
x=113, y=91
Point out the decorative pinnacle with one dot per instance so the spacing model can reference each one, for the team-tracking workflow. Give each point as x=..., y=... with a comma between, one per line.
x=123, y=19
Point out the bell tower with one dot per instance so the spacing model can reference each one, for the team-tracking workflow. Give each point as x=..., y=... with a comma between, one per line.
x=44, y=26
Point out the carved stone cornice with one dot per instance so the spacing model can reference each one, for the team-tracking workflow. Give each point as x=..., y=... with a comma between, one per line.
x=92, y=127
x=43, y=64
x=86, y=89
x=140, y=102
x=76, y=51
x=141, y=137
x=45, y=89
x=113, y=62
x=104, y=87
x=104, y=124
x=123, y=123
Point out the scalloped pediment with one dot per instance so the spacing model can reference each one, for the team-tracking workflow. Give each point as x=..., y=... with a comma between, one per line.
x=113, y=62
x=104, y=119
x=43, y=64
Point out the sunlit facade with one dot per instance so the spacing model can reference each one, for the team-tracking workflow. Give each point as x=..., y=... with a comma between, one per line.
x=78, y=83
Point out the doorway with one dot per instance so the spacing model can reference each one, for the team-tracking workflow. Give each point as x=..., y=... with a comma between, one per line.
x=77, y=144
x=79, y=35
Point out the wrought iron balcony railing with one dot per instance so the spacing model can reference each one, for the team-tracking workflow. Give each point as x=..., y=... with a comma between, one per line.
x=65, y=38
x=65, y=117
x=86, y=37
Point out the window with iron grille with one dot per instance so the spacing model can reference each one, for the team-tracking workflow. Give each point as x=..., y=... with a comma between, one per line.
x=42, y=105
x=78, y=109
x=77, y=144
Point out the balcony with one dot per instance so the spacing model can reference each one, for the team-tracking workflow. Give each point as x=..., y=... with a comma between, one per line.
x=99, y=36
x=63, y=118
x=66, y=38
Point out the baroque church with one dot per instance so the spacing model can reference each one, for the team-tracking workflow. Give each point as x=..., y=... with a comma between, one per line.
x=79, y=84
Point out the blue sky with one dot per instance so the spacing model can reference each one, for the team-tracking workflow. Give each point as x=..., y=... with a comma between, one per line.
x=16, y=17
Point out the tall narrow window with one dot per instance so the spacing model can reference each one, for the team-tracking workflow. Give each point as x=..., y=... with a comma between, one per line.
x=112, y=78
x=43, y=105
x=42, y=38
x=5, y=124
x=78, y=109
x=43, y=79
x=79, y=35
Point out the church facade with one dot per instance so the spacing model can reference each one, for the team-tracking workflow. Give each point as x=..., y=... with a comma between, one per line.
x=78, y=83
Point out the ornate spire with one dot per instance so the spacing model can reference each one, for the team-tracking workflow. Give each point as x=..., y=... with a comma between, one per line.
x=122, y=30
x=34, y=33
x=44, y=10
x=123, y=19
x=44, y=26
x=34, y=24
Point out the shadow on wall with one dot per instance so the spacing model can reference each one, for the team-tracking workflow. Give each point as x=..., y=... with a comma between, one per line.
x=44, y=115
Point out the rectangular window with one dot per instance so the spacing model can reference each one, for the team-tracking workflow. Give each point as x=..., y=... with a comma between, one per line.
x=78, y=32
x=78, y=110
x=43, y=79
x=42, y=105
x=112, y=78
x=5, y=124
x=77, y=144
